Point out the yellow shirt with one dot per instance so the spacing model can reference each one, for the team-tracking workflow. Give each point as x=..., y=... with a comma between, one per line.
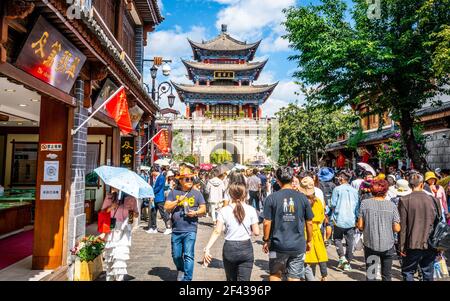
x=318, y=252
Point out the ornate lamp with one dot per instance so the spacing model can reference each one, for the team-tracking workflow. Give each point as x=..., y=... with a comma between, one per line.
x=171, y=99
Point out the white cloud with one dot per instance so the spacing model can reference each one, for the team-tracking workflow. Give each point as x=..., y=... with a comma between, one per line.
x=274, y=44
x=247, y=19
x=286, y=92
x=173, y=44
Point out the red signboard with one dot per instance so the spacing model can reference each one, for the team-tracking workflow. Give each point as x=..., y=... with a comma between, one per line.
x=49, y=56
x=164, y=144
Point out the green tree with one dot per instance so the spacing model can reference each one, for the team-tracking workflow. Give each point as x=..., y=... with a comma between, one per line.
x=396, y=62
x=308, y=129
x=220, y=156
x=190, y=159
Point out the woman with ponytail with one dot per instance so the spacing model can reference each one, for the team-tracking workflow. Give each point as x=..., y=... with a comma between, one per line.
x=239, y=221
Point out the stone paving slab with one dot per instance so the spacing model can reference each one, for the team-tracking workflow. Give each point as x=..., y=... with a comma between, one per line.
x=151, y=259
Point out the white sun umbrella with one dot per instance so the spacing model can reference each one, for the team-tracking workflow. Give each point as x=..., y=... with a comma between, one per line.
x=125, y=180
x=368, y=168
x=240, y=167
x=162, y=162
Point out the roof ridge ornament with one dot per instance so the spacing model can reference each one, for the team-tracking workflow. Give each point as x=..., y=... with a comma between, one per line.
x=224, y=28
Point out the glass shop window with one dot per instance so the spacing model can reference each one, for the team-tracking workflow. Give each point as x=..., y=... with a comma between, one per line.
x=23, y=171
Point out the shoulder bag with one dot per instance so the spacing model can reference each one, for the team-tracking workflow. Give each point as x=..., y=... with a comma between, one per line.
x=440, y=237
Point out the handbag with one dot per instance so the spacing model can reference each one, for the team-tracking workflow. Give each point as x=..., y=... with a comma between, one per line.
x=104, y=222
x=114, y=220
x=440, y=237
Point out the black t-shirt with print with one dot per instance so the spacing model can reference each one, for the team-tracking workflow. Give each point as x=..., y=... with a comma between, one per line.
x=182, y=223
x=288, y=209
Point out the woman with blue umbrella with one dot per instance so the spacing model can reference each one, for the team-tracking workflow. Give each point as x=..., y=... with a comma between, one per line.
x=123, y=208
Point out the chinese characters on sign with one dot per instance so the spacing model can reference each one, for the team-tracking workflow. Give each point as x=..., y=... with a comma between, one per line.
x=224, y=75
x=127, y=152
x=51, y=147
x=49, y=56
x=50, y=192
x=163, y=141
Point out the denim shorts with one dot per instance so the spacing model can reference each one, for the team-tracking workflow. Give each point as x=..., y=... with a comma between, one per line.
x=292, y=265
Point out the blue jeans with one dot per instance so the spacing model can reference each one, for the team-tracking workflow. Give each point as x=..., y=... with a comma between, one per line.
x=418, y=258
x=183, y=246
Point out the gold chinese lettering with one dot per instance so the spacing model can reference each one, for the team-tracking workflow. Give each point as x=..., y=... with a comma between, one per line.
x=64, y=61
x=40, y=44
x=71, y=71
x=127, y=145
x=126, y=159
x=56, y=48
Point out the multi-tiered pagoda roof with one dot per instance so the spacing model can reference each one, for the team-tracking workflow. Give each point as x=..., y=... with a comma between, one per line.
x=223, y=74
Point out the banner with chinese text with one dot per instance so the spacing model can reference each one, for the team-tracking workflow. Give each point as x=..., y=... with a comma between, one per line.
x=127, y=150
x=50, y=57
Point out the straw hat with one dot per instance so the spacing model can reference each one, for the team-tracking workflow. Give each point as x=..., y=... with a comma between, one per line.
x=307, y=186
x=430, y=175
x=186, y=172
x=401, y=188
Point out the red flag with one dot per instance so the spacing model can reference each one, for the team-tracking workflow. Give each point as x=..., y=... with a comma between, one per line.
x=161, y=140
x=117, y=107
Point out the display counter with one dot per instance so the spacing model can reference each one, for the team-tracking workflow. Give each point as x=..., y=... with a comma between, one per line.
x=14, y=216
x=16, y=209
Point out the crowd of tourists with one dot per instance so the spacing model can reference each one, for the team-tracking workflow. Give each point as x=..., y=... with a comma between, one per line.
x=391, y=216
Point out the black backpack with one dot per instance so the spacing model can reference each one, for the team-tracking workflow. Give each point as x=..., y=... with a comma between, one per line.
x=440, y=237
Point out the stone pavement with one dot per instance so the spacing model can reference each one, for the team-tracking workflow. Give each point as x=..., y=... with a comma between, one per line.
x=151, y=259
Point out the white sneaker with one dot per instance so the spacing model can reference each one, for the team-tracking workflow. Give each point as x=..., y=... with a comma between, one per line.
x=151, y=231
x=168, y=231
x=180, y=276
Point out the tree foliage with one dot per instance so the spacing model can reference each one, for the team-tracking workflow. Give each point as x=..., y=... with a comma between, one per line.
x=305, y=129
x=395, y=63
x=220, y=156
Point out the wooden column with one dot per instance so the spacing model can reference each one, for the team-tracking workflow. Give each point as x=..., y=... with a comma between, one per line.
x=3, y=38
x=50, y=219
x=116, y=147
x=120, y=13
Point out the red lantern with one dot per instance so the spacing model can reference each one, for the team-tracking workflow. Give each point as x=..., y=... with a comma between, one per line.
x=340, y=162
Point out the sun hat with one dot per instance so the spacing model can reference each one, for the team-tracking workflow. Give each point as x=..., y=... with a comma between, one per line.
x=401, y=188
x=186, y=172
x=381, y=176
x=170, y=174
x=430, y=175
x=307, y=186
x=326, y=174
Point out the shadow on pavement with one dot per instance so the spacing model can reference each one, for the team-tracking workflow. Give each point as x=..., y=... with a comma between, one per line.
x=164, y=273
x=210, y=225
x=262, y=264
x=215, y=263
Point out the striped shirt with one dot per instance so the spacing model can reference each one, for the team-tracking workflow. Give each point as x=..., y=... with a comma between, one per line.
x=378, y=217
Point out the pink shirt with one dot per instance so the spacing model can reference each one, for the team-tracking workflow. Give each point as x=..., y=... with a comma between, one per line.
x=441, y=196
x=121, y=215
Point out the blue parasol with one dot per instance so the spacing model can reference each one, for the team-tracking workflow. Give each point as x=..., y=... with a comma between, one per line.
x=125, y=180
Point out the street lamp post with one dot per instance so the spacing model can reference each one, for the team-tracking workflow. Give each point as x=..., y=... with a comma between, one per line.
x=157, y=92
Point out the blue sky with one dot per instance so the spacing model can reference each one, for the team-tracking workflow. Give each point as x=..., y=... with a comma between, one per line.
x=247, y=20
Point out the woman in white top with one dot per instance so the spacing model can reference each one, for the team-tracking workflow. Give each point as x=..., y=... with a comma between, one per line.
x=238, y=220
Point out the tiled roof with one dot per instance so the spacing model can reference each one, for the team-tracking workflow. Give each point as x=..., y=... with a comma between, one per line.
x=224, y=67
x=371, y=137
x=224, y=42
x=430, y=110
x=224, y=89
x=150, y=11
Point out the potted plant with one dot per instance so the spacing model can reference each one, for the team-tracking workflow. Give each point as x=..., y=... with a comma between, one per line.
x=88, y=263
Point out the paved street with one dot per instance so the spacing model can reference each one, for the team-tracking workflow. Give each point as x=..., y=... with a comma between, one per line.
x=151, y=259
